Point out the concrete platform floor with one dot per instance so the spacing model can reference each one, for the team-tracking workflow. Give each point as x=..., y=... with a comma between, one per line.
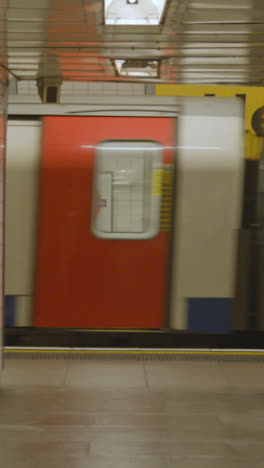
x=131, y=414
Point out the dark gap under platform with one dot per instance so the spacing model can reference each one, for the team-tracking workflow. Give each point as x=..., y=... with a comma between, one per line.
x=85, y=338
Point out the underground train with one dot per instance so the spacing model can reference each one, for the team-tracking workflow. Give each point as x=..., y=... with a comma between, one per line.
x=124, y=217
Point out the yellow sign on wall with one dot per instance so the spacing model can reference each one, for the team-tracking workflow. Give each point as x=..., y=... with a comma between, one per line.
x=254, y=99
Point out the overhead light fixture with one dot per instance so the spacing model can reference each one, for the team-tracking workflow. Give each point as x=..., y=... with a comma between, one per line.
x=133, y=12
x=137, y=68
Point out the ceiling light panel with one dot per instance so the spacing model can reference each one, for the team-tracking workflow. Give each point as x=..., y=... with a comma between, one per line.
x=137, y=68
x=133, y=12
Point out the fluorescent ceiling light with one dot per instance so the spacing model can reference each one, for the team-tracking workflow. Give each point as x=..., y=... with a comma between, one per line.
x=137, y=68
x=133, y=12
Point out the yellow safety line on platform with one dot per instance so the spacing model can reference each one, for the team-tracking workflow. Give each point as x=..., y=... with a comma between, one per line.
x=119, y=330
x=121, y=351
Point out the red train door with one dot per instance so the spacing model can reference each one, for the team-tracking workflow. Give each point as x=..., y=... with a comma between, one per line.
x=102, y=259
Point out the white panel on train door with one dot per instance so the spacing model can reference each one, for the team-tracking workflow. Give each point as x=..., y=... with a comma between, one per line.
x=126, y=199
x=21, y=200
x=22, y=174
x=208, y=205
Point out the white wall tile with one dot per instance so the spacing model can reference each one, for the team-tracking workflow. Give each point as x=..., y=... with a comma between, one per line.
x=83, y=88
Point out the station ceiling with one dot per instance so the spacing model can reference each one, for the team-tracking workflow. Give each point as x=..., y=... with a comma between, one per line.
x=197, y=41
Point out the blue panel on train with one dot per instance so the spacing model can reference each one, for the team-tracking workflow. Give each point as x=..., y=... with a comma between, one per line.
x=10, y=306
x=209, y=315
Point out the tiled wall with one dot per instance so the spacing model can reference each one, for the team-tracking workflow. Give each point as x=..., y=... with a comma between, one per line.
x=77, y=88
x=3, y=89
x=3, y=108
x=103, y=89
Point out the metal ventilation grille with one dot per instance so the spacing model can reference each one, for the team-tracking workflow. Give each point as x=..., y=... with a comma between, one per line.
x=198, y=41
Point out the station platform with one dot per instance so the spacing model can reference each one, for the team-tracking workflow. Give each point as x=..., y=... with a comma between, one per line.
x=132, y=409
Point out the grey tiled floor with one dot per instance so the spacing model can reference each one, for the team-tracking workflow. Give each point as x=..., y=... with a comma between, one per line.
x=131, y=414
